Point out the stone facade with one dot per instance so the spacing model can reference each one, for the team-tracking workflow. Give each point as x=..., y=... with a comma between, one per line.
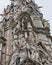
x=28, y=35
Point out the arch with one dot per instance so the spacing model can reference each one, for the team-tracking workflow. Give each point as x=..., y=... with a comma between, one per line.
x=28, y=61
x=23, y=20
x=27, y=17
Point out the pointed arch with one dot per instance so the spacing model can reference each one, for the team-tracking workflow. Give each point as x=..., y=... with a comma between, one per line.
x=28, y=61
x=26, y=16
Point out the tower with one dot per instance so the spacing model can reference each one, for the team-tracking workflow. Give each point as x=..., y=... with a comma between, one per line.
x=28, y=35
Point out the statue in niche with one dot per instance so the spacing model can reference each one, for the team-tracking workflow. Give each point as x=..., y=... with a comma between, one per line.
x=17, y=60
x=23, y=24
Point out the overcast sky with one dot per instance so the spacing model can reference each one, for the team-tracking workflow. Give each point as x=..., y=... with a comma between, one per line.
x=46, y=10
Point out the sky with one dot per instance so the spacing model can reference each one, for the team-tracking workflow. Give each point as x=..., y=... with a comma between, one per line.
x=46, y=10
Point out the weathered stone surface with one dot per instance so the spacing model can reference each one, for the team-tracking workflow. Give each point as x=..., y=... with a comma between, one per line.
x=27, y=33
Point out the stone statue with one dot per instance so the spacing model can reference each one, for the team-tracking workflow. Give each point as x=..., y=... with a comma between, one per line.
x=17, y=60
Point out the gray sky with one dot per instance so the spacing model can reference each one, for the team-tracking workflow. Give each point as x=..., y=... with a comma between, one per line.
x=46, y=10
